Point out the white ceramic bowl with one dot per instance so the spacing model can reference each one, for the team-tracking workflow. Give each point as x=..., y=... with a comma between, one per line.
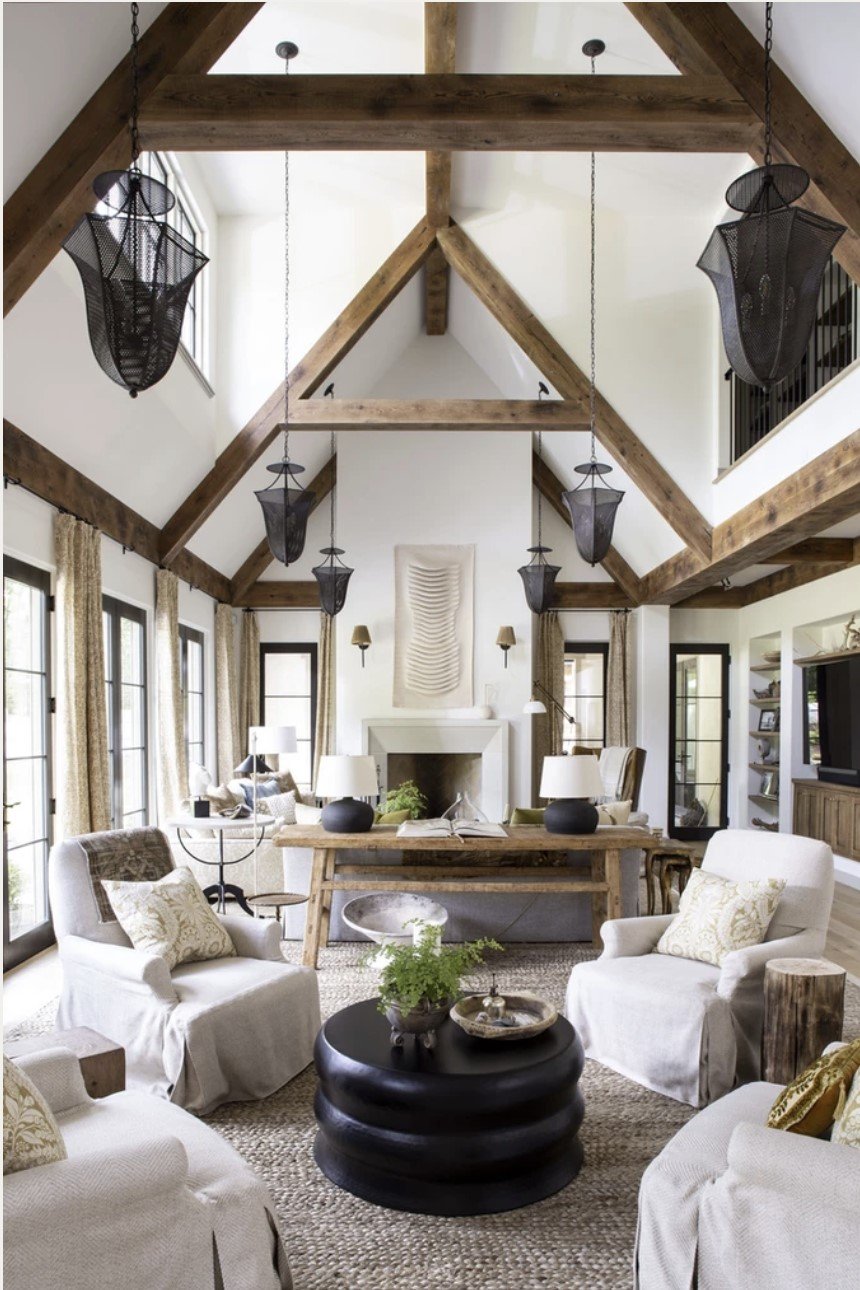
x=384, y=916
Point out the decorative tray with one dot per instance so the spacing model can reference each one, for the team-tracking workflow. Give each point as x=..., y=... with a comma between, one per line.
x=524, y=1015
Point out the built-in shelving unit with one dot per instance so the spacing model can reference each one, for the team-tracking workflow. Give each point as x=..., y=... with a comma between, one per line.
x=832, y=657
x=763, y=777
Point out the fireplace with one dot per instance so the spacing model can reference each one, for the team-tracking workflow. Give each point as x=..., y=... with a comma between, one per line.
x=444, y=756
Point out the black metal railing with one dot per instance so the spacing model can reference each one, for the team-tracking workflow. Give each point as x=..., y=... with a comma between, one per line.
x=832, y=346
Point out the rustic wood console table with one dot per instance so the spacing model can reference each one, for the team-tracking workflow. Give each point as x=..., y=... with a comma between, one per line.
x=473, y=864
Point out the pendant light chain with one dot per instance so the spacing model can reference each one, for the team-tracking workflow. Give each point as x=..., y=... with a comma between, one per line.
x=768, y=48
x=286, y=294
x=592, y=400
x=331, y=452
x=135, y=84
x=540, y=495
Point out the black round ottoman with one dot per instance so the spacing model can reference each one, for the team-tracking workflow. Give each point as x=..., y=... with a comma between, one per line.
x=470, y=1127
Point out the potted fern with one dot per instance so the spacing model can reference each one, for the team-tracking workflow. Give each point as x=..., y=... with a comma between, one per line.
x=419, y=982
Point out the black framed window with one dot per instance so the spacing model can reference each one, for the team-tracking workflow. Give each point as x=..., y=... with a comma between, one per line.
x=698, y=740
x=193, y=684
x=27, y=805
x=585, y=664
x=288, y=697
x=126, y=698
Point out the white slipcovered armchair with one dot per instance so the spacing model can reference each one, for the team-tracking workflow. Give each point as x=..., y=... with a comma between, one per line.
x=150, y=1198
x=688, y=1029
x=231, y=1029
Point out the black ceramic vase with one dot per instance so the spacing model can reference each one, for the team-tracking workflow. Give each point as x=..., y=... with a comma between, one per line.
x=570, y=815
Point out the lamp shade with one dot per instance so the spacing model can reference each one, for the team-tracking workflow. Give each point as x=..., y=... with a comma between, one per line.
x=574, y=776
x=272, y=740
x=506, y=638
x=253, y=766
x=360, y=637
x=534, y=708
x=342, y=776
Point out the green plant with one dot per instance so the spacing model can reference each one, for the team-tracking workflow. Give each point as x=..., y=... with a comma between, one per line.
x=426, y=969
x=406, y=797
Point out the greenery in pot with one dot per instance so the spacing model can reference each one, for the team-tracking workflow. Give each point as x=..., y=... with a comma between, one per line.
x=426, y=971
x=406, y=797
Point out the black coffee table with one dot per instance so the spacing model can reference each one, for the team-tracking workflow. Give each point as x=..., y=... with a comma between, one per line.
x=470, y=1127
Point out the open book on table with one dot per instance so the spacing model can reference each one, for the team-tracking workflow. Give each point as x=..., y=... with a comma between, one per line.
x=450, y=829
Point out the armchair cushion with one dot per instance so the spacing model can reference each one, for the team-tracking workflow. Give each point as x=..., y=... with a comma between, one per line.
x=170, y=917
x=56, y=1073
x=716, y=916
x=254, y=938
x=812, y=1101
x=138, y=968
x=631, y=937
x=31, y=1135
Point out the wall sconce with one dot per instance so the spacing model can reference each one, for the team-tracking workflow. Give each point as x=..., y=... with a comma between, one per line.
x=361, y=638
x=506, y=640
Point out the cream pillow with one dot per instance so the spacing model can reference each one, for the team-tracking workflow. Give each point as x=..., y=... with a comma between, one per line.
x=31, y=1135
x=614, y=812
x=716, y=916
x=282, y=806
x=847, y=1128
x=308, y=814
x=171, y=918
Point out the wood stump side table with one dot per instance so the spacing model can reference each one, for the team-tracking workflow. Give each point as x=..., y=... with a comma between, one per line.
x=102, y=1061
x=803, y=1013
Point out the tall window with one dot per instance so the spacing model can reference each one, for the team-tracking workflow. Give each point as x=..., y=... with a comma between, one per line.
x=126, y=695
x=188, y=224
x=288, y=697
x=585, y=693
x=191, y=661
x=27, y=806
x=698, y=740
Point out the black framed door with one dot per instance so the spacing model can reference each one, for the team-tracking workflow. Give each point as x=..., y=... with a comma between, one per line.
x=698, y=740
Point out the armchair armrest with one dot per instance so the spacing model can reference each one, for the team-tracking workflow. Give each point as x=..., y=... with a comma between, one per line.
x=629, y=938
x=254, y=938
x=134, y=967
x=775, y=1159
x=745, y=968
x=56, y=1072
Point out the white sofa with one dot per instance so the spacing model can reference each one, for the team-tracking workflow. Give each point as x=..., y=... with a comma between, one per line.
x=731, y=1203
x=688, y=1029
x=150, y=1198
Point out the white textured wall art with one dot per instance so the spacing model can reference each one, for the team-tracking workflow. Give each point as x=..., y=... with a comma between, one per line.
x=433, y=626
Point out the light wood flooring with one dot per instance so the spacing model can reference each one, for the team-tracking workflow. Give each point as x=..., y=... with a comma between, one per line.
x=843, y=936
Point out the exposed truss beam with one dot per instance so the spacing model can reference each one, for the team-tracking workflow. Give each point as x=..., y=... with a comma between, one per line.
x=281, y=595
x=444, y=112
x=261, y=557
x=436, y=414
x=559, y=368
x=797, y=575
x=817, y=550
x=440, y=41
x=251, y=442
x=590, y=595
x=58, y=191
x=46, y=475
x=702, y=39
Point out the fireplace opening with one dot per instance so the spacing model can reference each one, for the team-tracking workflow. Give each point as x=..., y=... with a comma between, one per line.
x=440, y=776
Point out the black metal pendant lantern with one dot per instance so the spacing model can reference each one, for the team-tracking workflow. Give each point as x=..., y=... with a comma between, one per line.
x=286, y=505
x=538, y=576
x=592, y=505
x=332, y=575
x=137, y=272
x=767, y=266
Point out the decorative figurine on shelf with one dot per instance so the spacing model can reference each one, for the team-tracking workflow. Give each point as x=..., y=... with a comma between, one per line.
x=851, y=637
x=767, y=753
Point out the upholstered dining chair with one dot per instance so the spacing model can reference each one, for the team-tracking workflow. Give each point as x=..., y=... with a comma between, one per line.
x=228, y=1029
x=689, y=1029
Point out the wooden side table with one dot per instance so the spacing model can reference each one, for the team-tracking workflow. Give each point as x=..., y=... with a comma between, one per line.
x=102, y=1061
x=277, y=900
x=803, y=1013
x=670, y=856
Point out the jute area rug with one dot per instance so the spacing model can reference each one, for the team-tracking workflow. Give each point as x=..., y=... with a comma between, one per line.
x=580, y=1239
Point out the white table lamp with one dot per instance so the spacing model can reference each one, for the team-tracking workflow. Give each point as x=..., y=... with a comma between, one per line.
x=347, y=778
x=271, y=741
x=571, y=781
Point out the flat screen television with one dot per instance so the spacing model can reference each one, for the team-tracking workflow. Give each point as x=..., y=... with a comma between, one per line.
x=832, y=719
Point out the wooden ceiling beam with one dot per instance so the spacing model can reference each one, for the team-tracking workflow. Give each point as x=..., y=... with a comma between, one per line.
x=261, y=557
x=797, y=575
x=47, y=476
x=590, y=595
x=440, y=42
x=187, y=38
x=252, y=441
x=281, y=595
x=816, y=550
x=436, y=414
x=538, y=344
x=444, y=112
x=702, y=39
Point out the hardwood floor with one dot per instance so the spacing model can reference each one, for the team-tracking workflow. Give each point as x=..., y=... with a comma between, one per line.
x=843, y=936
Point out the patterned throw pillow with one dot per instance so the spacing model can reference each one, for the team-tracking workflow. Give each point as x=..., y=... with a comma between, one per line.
x=281, y=805
x=614, y=812
x=308, y=814
x=847, y=1128
x=31, y=1135
x=819, y=1095
x=171, y=918
x=716, y=916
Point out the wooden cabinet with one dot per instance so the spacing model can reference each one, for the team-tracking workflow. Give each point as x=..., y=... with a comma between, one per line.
x=829, y=812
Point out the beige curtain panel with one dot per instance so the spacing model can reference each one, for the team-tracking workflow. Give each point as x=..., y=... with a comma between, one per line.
x=226, y=694
x=83, y=775
x=325, y=719
x=171, y=758
x=549, y=671
x=249, y=679
x=619, y=683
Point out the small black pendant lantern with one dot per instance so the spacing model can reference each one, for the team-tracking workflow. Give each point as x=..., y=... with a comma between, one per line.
x=767, y=266
x=137, y=272
x=332, y=575
x=591, y=504
x=286, y=505
x=538, y=576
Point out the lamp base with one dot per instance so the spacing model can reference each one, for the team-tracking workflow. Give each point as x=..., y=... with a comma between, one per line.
x=201, y=808
x=347, y=815
x=570, y=815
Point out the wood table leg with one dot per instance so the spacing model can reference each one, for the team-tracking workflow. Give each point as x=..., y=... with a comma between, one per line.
x=327, y=897
x=649, y=880
x=313, y=921
x=599, y=903
x=613, y=878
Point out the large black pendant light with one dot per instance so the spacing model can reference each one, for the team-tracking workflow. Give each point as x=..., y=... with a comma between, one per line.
x=538, y=576
x=286, y=505
x=332, y=575
x=767, y=266
x=136, y=270
x=593, y=506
